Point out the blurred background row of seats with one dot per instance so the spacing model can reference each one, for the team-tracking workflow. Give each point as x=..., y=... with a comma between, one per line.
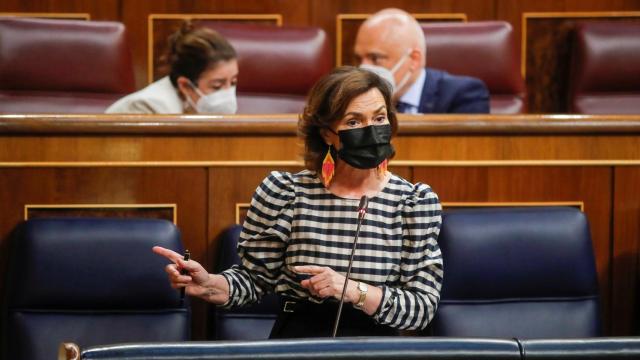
x=69, y=66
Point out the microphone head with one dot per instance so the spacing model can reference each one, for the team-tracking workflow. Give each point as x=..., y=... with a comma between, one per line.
x=364, y=203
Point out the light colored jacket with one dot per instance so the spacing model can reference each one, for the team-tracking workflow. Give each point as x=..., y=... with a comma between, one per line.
x=159, y=97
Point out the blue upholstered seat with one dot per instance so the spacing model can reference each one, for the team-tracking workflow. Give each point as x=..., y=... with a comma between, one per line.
x=252, y=322
x=525, y=272
x=91, y=282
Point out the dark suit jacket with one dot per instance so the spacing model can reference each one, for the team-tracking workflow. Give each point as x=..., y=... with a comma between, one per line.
x=446, y=93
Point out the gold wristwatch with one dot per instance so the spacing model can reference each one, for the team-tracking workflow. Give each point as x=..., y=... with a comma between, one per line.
x=362, y=287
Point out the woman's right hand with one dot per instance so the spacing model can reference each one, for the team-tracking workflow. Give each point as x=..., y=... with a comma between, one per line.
x=197, y=281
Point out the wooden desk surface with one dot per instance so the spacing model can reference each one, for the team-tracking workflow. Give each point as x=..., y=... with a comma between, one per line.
x=432, y=139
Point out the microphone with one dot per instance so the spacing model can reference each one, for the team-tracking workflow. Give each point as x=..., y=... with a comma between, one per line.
x=362, y=210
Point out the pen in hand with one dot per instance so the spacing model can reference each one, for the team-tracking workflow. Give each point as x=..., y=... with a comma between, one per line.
x=186, y=257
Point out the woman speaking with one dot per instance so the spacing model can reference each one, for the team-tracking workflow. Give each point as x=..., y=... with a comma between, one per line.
x=299, y=231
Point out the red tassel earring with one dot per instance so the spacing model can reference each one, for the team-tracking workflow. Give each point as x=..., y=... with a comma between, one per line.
x=328, y=167
x=382, y=168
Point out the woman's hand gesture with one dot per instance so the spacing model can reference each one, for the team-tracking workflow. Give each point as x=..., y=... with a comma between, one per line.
x=197, y=281
x=325, y=282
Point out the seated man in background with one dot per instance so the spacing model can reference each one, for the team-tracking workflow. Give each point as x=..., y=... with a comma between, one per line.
x=392, y=44
x=202, y=79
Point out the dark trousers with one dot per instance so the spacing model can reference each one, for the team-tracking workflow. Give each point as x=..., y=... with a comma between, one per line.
x=301, y=318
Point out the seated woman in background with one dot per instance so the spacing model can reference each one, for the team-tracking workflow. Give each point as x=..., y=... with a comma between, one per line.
x=202, y=79
x=303, y=225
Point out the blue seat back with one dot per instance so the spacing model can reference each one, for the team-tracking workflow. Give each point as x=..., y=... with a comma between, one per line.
x=91, y=282
x=252, y=322
x=517, y=272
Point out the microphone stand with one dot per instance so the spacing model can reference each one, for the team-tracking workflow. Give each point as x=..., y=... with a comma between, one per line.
x=362, y=210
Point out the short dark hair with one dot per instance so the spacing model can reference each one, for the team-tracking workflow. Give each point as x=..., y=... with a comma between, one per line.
x=192, y=50
x=327, y=102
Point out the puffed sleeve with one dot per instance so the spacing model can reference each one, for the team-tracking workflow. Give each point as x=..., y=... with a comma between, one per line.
x=412, y=304
x=263, y=240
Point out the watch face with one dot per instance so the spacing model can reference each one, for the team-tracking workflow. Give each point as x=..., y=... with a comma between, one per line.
x=362, y=287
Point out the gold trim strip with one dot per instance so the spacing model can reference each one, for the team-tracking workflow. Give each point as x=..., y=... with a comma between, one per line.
x=419, y=16
x=436, y=163
x=173, y=207
x=149, y=49
x=238, y=206
x=70, y=16
x=276, y=17
x=579, y=204
x=152, y=17
x=555, y=14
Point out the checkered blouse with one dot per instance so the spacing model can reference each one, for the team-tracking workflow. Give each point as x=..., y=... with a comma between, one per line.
x=293, y=220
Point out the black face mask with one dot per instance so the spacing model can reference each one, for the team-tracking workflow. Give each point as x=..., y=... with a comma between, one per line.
x=366, y=147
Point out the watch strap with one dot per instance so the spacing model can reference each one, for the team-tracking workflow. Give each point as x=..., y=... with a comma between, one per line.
x=363, y=288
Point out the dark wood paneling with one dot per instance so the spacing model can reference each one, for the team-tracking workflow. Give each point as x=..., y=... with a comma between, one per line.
x=185, y=187
x=417, y=148
x=546, y=71
x=591, y=185
x=626, y=249
x=107, y=211
x=511, y=11
x=99, y=10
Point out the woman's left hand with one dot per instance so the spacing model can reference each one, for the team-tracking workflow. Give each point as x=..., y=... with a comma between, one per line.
x=325, y=282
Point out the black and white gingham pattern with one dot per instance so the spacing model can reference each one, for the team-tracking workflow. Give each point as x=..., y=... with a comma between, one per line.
x=294, y=220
